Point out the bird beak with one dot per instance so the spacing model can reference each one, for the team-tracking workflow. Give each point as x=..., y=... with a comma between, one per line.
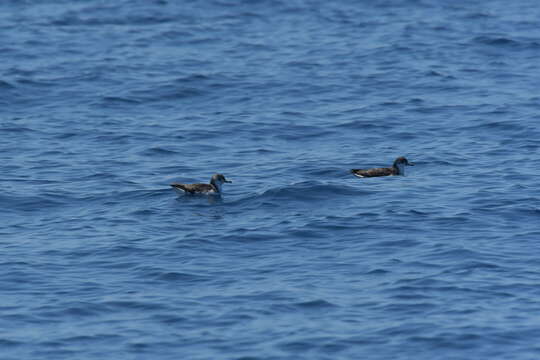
x=410, y=164
x=228, y=181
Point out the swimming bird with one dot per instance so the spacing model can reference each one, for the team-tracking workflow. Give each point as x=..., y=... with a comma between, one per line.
x=398, y=168
x=214, y=188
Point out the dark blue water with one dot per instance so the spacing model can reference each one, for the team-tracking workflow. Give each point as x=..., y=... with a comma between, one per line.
x=103, y=104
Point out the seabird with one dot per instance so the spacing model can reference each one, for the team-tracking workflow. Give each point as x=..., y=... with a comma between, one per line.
x=398, y=168
x=214, y=188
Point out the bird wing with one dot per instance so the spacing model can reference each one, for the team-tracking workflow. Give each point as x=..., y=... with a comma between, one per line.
x=194, y=188
x=373, y=172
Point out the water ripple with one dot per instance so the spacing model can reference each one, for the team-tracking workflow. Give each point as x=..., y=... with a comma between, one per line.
x=105, y=104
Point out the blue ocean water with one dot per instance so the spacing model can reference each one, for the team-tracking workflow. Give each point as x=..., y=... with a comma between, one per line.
x=103, y=104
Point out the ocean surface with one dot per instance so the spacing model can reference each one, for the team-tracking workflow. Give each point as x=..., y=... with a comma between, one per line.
x=103, y=104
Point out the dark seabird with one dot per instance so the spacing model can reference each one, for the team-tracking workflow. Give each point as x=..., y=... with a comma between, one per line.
x=214, y=188
x=397, y=169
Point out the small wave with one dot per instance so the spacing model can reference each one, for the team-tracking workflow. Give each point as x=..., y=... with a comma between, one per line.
x=75, y=308
x=314, y=170
x=111, y=100
x=310, y=190
x=409, y=308
x=315, y=304
x=296, y=114
x=261, y=151
x=298, y=134
x=73, y=19
x=158, y=151
x=112, y=138
x=252, y=236
x=378, y=272
x=456, y=254
x=434, y=73
x=478, y=15
x=173, y=35
x=364, y=125
x=303, y=192
x=166, y=92
x=192, y=78
x=85, y=339
x=136, y=194
x=15, y=129
x=6, y=343
x=100, y=175
x=297, y=346
x=203, y=40
x=495, y=41
x=399, y=243
x=506, y=125
x=67, y=135
x=116, y=197
x=6, y=85
x=34, y=83
x=135, y=305
x=142, y=213
x=463, y=340
x=534, y=211
x=178, y=277
x=32, y=203
x=478, y=265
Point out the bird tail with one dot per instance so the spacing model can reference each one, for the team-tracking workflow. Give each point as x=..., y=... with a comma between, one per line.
x=180, y=188
x=356, y=173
